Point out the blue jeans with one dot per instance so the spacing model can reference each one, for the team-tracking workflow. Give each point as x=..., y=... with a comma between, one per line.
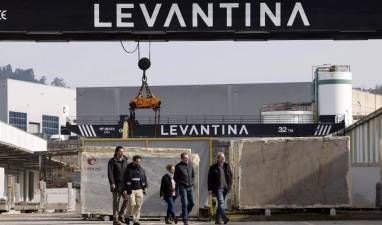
x=170, y=206
x=220, y=198
x=187, y=199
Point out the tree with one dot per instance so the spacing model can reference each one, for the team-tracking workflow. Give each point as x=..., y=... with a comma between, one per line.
x=59, y=82
x=42, y=80
x=378, y=90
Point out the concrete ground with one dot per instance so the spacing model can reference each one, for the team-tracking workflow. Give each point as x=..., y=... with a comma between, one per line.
x=58, y=222
x=73, y=219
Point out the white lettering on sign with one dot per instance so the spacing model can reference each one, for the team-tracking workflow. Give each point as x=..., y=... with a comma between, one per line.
x=174, y=10
x=121, y=15
x=228, y=7
x=3, y=14
x=298, y=9
x=208, y=19
x=247, y=14
x=97, y=22
x=204, y=130
x=150, y=20
x=269, y=14
x=275, y=17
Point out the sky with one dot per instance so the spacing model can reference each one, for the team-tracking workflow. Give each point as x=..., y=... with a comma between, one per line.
x=87, y=64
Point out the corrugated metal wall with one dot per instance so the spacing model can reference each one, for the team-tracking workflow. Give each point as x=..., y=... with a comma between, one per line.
x=365, y=139
x=222, y=99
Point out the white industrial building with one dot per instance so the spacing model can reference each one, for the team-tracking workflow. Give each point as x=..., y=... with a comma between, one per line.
x=36, y=108
x=365, y=103
x=366, y=145
x=19, y=163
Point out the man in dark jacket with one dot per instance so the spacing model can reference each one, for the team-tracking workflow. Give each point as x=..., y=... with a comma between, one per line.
x=219, y=184
x=184, y=178
x=136, y=187
x=168, y=193
x=116, y=171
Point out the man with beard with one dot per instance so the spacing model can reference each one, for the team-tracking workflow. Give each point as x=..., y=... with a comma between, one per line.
x=116, y=171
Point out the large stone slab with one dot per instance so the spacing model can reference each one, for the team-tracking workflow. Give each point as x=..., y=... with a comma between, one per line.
x=96, y=197
x=291, y=173
x=202, y=147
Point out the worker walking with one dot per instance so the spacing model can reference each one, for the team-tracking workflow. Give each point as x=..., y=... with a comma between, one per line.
x=136, y=186
x=184, y=177
x=219, y=185
x=116, y=171
x=168, y=193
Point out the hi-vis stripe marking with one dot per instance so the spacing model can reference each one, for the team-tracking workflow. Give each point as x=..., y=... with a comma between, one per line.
x=323, y=130
x=330, y=127
x=92, y=129
x=82, y=132
x=87, y=130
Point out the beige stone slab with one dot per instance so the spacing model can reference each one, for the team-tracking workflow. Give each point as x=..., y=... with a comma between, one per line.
x=291, y=173
x=95, y=191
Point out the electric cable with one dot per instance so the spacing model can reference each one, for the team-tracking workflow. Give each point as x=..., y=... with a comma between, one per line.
x=130, y=52
x=150, y=48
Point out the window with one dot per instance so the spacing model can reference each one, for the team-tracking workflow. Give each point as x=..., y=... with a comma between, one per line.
x=18, y=119
x=50, y=124
x=34, y=128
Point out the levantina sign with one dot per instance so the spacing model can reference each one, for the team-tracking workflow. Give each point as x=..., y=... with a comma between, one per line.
x=190, y=19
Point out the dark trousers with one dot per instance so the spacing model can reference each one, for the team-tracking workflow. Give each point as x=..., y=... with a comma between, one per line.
x=187, y=199
x=170, y=206
x=116, y=202
x=220, y=198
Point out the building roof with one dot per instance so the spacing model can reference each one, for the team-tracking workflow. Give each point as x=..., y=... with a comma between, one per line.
x=17, y=147
x=364, y=120
x=19, y=140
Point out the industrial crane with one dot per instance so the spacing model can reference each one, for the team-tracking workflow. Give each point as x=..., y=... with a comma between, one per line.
x=144, y=102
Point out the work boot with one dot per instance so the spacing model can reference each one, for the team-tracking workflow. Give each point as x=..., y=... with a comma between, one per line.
x=226, y=220
x=127, y=220
x=167, y=220
x=117, y=222
x=218, y=221
x=121, y=219
x=175, y=219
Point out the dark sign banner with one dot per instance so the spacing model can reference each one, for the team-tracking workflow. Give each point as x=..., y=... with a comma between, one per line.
x=94, y=131
x=210, y=130
x=189, y=19
x=236, y=130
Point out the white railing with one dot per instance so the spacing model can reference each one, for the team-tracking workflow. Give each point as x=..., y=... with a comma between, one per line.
x=18, y=138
